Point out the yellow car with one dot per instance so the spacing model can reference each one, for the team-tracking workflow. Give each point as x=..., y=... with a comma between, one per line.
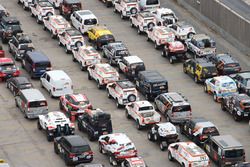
x=99, y=36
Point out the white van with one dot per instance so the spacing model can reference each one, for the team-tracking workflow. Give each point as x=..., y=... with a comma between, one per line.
x=57, y=83
x=148, y=4
x=83, y=20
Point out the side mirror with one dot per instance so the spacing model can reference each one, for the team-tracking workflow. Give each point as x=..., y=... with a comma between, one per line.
x=46, y=18
x=175, y=147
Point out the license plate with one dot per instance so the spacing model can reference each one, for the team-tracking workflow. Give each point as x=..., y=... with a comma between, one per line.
x=245, y=114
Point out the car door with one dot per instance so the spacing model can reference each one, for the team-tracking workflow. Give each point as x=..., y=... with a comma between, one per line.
x=73, y=19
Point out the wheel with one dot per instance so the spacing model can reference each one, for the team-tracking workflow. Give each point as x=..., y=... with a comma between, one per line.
x=99, y=86
x=109, y=96
x=122, y=17
x=171, y=60
x=138, y=30
x=82, y=68
x=73, y=58
x=163, y=53
x=31, y=14
x=39, y=127
x=170, y=158
x=41, y=84
x=168, y=119
x=156, y=46
x=56, y=149
x=59, y=43
x=155, y=137
x=118, y=105
x=131, y=24
x=52, y=35
x=215, y=97
x=100, y=148
x=236, y=117
x=196, y=80
x=66, y=49
x=190, y=35
x=184, y=70
x=16, y=103
x=132, y=98
x=162, y=147
x=49, y=138
x=44, y=27
x=114, y=10
x=148, y=39
x=89, y=76
x=112, y=161
x=205, y=88
x=37, y=20
x=79, y=126
x=150, y=136
x=138, y=126
x=127, y=114
x=90, y=137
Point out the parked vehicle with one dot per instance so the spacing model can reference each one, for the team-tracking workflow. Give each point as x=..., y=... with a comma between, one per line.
x=225, y=64
x=102, y=74
x=220, y=87
x=201, y=45
x=198, y=130
x=35, y=63
x=8, y=69
x=164, y=16
x=3, y=12
x=131, y=66
x=108, y=3
x=242, y=80
x=142, y=21
x=114, y=52
x=182, y=30
x=188, y=154
x=242, y=164
x=238, y=105
x=164, y=134
x=67, y=7
x=148, y=4
x=26, y=4
x=123, y=91
x=126, y=8
x=73, y=149
x=70, y=39
x=224, y=150
x=31, y=102
x=133, y=162
x=110, y=145
x=174, y=107
x=19, y=44
x=199, y=69
x=95, y=122
x=56, y=3
x=16, y=84
x=83, y=20
x=9, y=26
x=151, y=84
x=57, y=83
x=55, y=124
x=41, y=9
x=143, y=113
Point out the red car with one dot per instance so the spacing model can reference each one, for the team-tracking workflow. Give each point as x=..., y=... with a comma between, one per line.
x=2, y=53
x=74, y=102
x=8, y=69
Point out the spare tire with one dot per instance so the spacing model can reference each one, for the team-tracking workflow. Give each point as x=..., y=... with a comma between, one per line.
x=133, y=10
x=131, y=98
x=150, y=25
x=78, y=44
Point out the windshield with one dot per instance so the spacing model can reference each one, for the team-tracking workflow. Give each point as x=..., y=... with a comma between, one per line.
x=81, y=103
x=229, y=65
x=167, y=15
x=159, y=86
x=147, y=114
x=145, y=108
x=152, y=2
x=80, y=149
x=26, y=47
x=129, y=1
x=25, y=86
x=228, y=84
x=122, y=53
x=14, y=27
x=43, y=64
x=182, y=108
x=211, y=69
x=7, y=66
x=210, y=131
x=234, y=153
x=45, y=4
x=35, y=104
x=90, y=22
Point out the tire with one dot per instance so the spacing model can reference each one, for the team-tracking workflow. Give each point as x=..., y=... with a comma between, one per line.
x=196, y=80
x=100, y=148
x=31, y=14
x=223, y=108
x=184, y=70
x=190, y=35
x=131, y=98
x=73, y=58
x=215, y=97
x=170, y=158
x=122, y=17
x=49, y=138
x=50, y=94
x=109, y=96
x=149, y=135
x=59, y=43
x=205, y=88
x=66, y=49
x=171, y=61
x=127, y=114
x=236, y=117
x=131, y=24
x=56, y=149
x=16, y=103
x=118, y=105
x=114, y=10
x=156, y=46
x=133, y=10
x=138, y=126
x=155, y=137
x=44, y=28
x=150, y=25
x=89, y=76
x=39, y=127
x=103, y=54
x=82, y=68
x=37, y=20
x=163, y=148
x=99, y=86
x=112, y=161
x=41, y=85
x=90, y=137
x=138, y=30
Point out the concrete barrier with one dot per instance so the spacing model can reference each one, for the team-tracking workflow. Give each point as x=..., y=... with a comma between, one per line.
x=228, y=23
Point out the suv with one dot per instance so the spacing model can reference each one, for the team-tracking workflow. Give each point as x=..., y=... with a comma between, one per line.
x=143, y=112
x=123, y=91
x=174, y=107
x=131, y=66
x=35, y=63
x=164, y=134
x=70, y=39
x=95, y=123
x=102, y=74
x=142, y=21
x=126, y=7
x=151, y=84
x=198, y=130
x=242, y=80
x=67, y=7
x=19, y=44
x=55, y=24
x=9, y=26
x=8, y=69
x=55, y=124
x=73, y=149
x=41, y=9
x=238, y=105
x=117, y=146
x=225, y=64
x=182, y=30
x=164, y=16
x=115, y=51
x=199, y=69
x=224, y=150
x=201, y=45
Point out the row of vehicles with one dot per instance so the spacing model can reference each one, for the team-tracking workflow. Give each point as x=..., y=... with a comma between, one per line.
x=154, y=86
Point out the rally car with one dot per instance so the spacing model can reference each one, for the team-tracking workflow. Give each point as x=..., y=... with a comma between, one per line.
x=164, y=16
x=86, y=56
x=74, y=104
x=55, y=124
x=198, y=130
x=126, y=7
x=115, y=51
x=25, y=3
x=131, y=66
x=143, y=112
x=8, y=69
x=70, y=38
x=238, y=105
x=99, y=36
x=143, y=21
x=55, y=24
x=201, y=45
x=133, y=162
x=102, y=74
x=188, y=154
x=182, y=30
x=123, y=91
x=164, y=134
x=19, y=44
x=41, y=9
x=220, y=86
x=117, y=146
x=95, y=122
